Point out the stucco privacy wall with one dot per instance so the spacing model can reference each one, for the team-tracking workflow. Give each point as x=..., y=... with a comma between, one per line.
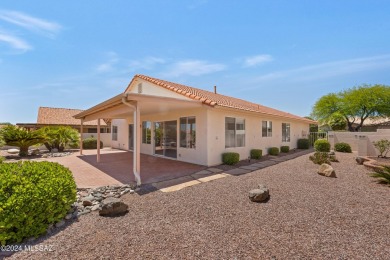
x=104, y=137
x=253, y=133
x=362, y=142
x=197, y=155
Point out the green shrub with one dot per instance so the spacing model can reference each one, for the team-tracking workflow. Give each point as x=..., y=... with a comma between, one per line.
x=285, y=149
x=343, y=147
x=2, y=159
x=320, y=158
x=303, y=143
x=21, y=137
x=383, y=147
x=383, y=175
x=59, y=137
x=91, y=143
x=322, y=145
x=273, y=151
x=230, y=158
x=256, y=153
x=33, y=195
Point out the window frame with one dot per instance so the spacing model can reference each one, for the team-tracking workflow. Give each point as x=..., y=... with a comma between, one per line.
x=286, y=132
x=268, y=128
x=239, y=132
x=144, y=131
x=114, y=135
x=189, y=140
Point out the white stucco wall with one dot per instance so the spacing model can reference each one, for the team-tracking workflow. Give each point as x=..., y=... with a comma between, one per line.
x=253, y=133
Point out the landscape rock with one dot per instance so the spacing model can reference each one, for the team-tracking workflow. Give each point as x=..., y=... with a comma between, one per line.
x=69, y=216
x=326, y=170
x=259, y=195
x=13, y=151
x=113, y=206
x=60, y=224
x=360, y=160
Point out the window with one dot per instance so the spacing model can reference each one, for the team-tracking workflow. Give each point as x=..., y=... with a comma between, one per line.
x=146, y=132
x=114, y=133
x=187, y=132
x=285, y=132
x=234, y=132
x=266, y=128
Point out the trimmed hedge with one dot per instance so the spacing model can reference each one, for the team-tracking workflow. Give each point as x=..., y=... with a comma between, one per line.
x=256, y=153
x=322, y=145
x=303, y=143
x=33, y=195
x=343, y=147
x=273, y=151
x=91, y=143
x=230, y=158
x=285, y=149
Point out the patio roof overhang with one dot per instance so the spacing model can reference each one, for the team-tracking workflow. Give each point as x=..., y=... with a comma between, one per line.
x=115, y=108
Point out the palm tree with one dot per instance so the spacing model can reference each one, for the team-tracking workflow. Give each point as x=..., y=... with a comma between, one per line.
x=59, y=137
x=20, y=137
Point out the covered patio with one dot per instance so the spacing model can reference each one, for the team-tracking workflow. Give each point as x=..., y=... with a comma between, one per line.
x=114, y=166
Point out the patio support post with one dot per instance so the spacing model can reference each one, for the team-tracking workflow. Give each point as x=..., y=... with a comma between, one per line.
x=137, y=137
x=137, y=145
x=98, y=142
x=81, y=136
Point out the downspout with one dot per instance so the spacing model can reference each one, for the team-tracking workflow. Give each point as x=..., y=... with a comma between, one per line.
x=135, y=148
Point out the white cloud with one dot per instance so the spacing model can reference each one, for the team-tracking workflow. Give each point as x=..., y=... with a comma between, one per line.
x=15, y=42
x=256, y=60
x=328, y=69
x=30, y=22
x=193, y=68
x=147, y=63
x=112, y=59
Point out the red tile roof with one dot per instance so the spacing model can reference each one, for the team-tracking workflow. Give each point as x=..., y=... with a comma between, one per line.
x=61, y=116
x=213, y=99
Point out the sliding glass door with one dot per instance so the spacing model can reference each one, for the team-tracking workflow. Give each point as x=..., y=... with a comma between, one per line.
x=165, y=138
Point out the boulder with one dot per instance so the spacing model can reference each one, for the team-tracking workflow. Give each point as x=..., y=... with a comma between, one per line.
x=259, y=195
x=326, y=170
x=360, y=160
x=113, y=206
x=87, y=201
x=13, y=151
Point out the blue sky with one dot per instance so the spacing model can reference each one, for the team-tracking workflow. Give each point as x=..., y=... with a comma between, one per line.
x=282, y=54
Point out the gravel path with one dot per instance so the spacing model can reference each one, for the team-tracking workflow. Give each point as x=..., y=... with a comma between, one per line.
x=307, y=217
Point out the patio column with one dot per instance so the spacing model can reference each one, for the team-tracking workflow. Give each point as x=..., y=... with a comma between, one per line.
x=81, y=137
x=98, y=142
x=137, y=145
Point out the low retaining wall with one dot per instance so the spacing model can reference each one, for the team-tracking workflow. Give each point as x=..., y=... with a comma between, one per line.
x=361, y=142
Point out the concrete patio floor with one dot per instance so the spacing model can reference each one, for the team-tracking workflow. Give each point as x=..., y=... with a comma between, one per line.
x=116, y=167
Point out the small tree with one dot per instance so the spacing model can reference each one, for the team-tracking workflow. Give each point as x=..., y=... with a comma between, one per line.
x=354, y=104
x=383, y=147
x=59, y=137
x=21, y=137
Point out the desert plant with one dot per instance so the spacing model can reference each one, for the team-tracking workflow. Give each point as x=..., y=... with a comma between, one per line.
x=383, y=147
x=33, y=195
x=230, y=158
x=343, y=147
x=383, y=175
x=333, y=158
x=320, y=158
x=21, y=137
x=91, y=143
x=303, y=143
x=59, y=137
x=285, y=149
x=256, y=153
x=322, y=145
x=273, y=151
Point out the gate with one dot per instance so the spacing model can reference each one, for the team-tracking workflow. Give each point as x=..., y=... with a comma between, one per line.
x=314, y=136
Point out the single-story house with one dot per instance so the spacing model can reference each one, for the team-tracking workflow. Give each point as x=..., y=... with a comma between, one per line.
x=163, y=118
x=53, y=116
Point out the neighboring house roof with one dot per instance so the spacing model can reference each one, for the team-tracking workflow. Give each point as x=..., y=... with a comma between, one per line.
x=374, y=121
x=214, y=99
x=61, y=116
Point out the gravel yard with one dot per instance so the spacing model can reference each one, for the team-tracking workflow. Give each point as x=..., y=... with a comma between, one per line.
x=307, y=217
